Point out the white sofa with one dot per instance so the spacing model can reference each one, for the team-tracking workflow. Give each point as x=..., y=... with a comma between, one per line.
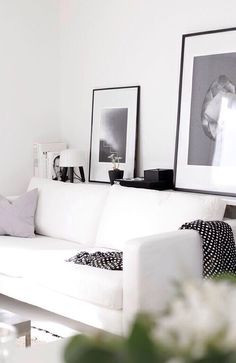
x=142, y=223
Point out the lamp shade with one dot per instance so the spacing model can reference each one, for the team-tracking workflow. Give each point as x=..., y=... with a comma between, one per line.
x=70, y=158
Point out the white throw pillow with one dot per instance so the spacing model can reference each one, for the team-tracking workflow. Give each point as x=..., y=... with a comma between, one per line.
x=130, y=213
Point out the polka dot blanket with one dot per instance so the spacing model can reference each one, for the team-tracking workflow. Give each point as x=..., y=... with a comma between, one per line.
x=106, y=260
x=218, y=245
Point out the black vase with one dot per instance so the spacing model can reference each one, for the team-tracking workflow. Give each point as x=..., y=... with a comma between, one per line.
x=115, y=174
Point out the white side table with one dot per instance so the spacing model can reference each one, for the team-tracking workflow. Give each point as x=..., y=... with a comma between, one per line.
x=22, y=325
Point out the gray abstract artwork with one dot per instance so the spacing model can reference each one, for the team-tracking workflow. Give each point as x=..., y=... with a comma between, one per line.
x=113, y=133
x=213, y=81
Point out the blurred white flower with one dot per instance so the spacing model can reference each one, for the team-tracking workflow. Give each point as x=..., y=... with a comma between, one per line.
x=203, y=316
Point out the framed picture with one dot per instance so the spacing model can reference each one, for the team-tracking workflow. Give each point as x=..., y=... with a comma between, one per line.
x=113, y=131
x=205, y=158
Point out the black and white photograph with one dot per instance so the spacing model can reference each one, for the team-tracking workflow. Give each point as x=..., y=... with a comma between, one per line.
x=113, y=132
x=214, y=82
x=206, y=132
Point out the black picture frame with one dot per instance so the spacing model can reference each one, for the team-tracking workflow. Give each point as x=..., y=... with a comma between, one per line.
x=114, y=124
x=204, y=150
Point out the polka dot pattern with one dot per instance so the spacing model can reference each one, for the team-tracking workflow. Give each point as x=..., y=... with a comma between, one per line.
x=106, y=260
x=219, y=251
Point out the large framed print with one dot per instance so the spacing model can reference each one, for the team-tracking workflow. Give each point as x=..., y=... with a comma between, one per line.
x=113, y=131
x=205, y=158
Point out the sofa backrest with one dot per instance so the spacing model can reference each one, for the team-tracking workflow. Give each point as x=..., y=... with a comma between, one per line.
x=69, y=211
x=131, y=213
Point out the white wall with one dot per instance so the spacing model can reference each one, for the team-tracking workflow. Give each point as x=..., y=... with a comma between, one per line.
x=110, y=43
x=29, y=86
x=77, y=45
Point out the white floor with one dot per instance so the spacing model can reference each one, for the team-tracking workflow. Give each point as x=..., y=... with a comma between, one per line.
x=43, y=319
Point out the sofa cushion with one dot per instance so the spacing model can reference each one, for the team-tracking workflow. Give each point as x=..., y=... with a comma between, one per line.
x=69, y=211
x=19, y=256
x=131, y=213
x=41, y=260
x=17, y=216
x=94, y=285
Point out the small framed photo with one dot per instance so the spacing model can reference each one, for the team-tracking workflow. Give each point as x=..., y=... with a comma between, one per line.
x=205, y=159
x=113, y=131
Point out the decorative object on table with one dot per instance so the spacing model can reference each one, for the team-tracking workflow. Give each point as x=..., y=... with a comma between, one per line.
x=115, y=173
x=159, y=179
x=46, y=159
x=159, y=175
x=142, y=183
x=113, y=130
x=69, y=160
x=198, y=326
x=206, y=132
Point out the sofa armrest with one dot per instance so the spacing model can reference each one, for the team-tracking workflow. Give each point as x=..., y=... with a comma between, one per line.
x=153, y=264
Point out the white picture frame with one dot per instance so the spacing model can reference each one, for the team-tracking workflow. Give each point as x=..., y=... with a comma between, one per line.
x=205, y=157
x=113, y=131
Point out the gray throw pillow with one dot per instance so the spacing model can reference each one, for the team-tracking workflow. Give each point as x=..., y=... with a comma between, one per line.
x=17, y=216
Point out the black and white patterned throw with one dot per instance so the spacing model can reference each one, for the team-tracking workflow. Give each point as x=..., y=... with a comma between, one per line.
x=218, y=245
x=105, y=260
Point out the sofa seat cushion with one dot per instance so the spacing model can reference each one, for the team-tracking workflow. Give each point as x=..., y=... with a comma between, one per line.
x=41, y=260
x=19, y=255
x=94, y=285
x=130, y=213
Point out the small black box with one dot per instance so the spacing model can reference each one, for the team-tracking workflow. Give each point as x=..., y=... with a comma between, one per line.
x=159, y=175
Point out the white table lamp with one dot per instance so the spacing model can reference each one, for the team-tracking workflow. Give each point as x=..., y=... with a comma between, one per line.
x=70, y=159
